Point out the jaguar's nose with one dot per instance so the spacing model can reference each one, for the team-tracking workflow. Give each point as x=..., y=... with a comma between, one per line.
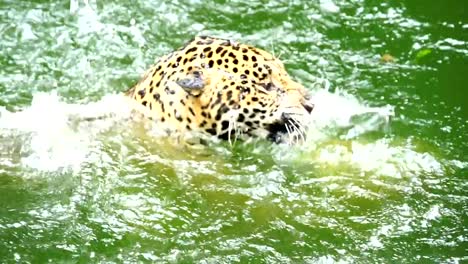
x=285, y=117
x=308, y=107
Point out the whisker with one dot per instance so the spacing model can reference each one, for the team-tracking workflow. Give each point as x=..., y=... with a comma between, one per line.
x=301, y=128
x=294, y=137
x=297, y=129
x=279, y=55
x=230, y=129
x=288, y=130
x=238, y=132
x=233, y=124
x=299, y=125
x=273, y=49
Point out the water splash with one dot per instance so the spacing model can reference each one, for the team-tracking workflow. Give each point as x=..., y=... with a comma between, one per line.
x=57, y=135
x=346, y=134
x=344, y=111
x=50, y=138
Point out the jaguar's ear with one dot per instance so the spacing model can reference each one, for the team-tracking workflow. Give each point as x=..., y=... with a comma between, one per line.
x=192, y=83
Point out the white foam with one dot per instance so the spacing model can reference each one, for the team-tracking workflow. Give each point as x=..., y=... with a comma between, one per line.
x=329, y=6
x=334, y=139
x=54, y=143
x=341, y=110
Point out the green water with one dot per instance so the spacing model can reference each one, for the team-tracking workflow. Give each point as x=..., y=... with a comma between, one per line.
x=368, y=186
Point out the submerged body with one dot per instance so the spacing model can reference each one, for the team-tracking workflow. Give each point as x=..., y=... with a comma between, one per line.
x=225, y=89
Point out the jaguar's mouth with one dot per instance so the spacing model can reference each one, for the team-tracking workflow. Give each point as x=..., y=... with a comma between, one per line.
x=287, y=130
x=277, y=132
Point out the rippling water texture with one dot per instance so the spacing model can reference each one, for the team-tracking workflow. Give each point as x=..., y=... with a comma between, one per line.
x=382, y=177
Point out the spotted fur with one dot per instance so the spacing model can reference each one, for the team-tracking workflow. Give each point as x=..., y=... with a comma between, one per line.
x=226, y=89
